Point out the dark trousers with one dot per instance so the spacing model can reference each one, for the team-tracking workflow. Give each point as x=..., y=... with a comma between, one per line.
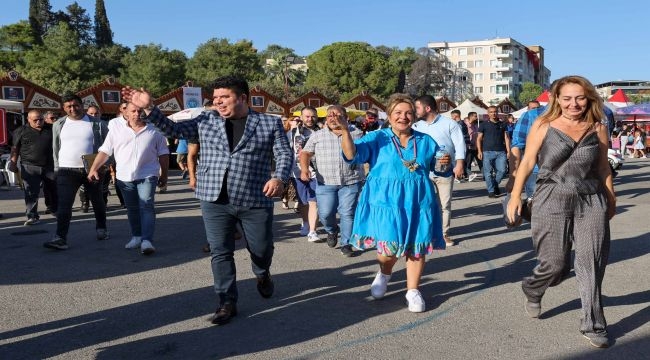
x=68, y=181
x=33, y=177
x=104, y=182
x=219, y=221
x=470, y=155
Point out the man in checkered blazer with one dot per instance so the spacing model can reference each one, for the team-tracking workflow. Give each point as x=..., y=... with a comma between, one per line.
x=235, y=182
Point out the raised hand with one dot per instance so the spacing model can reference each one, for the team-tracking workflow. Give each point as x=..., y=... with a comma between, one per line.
x=140, y=98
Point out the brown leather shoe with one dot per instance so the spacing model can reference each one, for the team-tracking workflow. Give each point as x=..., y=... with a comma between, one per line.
x=223, y=314
x=265, y=286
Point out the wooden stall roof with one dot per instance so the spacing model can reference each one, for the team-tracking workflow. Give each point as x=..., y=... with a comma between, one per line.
x=506, y=106
x=33, y=97
x=105, y=95
x=477, y=101
x=446, y=101
x=360, y=101
x=311, y=98
x=264, y=102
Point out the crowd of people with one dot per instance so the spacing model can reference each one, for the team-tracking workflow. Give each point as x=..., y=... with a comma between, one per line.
x=389, y=183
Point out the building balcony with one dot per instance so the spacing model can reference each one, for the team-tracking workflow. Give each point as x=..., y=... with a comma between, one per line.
x=503, y=80
x=503, y=67
x=503, y=54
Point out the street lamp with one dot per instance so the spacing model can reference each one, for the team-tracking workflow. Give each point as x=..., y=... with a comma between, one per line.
x=287, y=60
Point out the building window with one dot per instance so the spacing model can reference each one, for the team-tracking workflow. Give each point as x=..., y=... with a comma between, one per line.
x=493, y=76
x=462, y=51
x=494, y=63
x=449, y=52
x=14, y=93
x=314, y=102
x=462, y=64
x=111, y=97
x=505, y=108
x=444, y=106
x=470, y=64
x=502, y=89
x=364, y=105
x=478, y=63
x=478, y=50
x=492, y=89
x=478, y=90
x=478, y=77
x=257, y=101
x=493, y=49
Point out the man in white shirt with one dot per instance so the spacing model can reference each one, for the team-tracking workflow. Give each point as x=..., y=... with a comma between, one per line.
x=448, y=133
x=75, y=135
x=141, y=154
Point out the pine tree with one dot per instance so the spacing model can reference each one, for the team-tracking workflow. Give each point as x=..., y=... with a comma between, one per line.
x=103, y=33
x=39, y=16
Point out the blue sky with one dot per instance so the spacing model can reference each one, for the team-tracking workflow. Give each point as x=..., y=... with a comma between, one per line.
x=601, y=40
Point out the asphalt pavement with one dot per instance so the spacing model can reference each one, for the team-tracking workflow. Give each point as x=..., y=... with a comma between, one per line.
x=98, y=300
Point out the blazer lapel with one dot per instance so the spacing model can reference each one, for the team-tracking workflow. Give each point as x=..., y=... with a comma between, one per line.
x=251, y=124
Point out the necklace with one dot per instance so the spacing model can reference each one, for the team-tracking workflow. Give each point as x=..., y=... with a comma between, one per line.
x=412, y=165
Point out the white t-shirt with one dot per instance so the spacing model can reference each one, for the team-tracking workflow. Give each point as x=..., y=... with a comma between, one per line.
x=136, y=154
x=76, y=140
x=118, y=121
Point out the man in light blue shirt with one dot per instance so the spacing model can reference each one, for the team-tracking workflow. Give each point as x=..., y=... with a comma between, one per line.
x=448, y=133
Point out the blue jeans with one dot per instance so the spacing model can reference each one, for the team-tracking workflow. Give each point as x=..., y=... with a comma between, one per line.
x=494, y=160
x=33, y=176
x=68, y=181
x=139, y=199
x=530, y=184
x=341, y=198
x=219, y=220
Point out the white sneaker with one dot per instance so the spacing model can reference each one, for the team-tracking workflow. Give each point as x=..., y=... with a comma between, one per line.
x=457, y=181
x=134, y=243
x=313, y=237
x=379, y=285
x=304, y=230
x=415, y=301
x=146, y=247
x=472, y=177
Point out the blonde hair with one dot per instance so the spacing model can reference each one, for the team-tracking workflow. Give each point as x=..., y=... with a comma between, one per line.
x=397, y=99
x=594, y=112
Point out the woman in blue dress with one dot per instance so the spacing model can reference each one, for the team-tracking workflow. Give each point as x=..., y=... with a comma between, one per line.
x=397, y=211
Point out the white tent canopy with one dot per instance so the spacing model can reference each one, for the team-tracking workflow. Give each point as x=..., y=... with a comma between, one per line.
x=11, y=105
x=517, y=114
x=466, y=107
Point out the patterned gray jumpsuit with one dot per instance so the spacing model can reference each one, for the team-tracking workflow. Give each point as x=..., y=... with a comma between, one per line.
x=570, y=209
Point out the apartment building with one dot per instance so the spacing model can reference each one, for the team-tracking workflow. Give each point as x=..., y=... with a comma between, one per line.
x=630, y=87
x=492, y=69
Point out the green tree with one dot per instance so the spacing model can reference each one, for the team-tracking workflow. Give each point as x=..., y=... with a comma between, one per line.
x=60, y=64
x=15, y=39
x=103, y=33
x=639, y=98
x=403, y=61
x=107, y=60
x=530, y=91
x=79, y=21
x=427, y=74
x=218, y=57
x=344, y=69
x=156, y=69
x=39, y=17
x=280, y=70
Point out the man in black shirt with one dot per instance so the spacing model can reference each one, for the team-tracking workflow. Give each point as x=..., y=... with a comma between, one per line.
x=493, y=146
x=33, y=143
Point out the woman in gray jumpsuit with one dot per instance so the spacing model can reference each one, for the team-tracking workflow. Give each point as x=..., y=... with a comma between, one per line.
x=573, y=202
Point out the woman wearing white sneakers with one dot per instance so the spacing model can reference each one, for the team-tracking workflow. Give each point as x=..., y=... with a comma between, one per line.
x=397, y=212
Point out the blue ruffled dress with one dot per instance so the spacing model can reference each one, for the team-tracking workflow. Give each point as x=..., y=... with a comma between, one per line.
x=398, y=209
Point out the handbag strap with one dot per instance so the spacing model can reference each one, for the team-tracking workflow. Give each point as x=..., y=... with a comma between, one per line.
x=575, y=146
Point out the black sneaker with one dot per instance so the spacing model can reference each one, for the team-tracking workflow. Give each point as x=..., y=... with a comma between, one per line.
x=492, y=195
x=85, y=207
x=57, y=243
x=332, y=239
x=347, y=250
x=497, y=192
x=223, y=314
x=265, y=286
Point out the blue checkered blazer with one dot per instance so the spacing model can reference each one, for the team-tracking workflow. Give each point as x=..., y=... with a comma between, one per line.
x=249, y=164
